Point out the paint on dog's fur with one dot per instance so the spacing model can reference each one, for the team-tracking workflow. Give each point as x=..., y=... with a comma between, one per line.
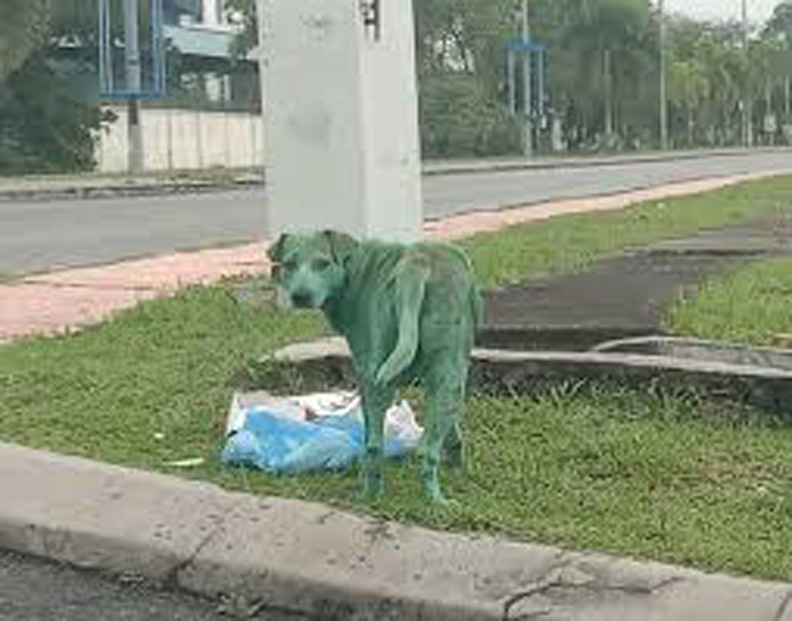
x=407, y=312
x=311, y=270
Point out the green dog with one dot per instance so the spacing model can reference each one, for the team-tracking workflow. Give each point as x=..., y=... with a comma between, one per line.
x=407, y=312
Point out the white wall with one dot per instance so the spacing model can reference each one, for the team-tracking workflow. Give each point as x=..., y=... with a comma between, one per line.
x=176, y=139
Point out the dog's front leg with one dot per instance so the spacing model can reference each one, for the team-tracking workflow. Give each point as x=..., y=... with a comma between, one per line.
x=376, y=401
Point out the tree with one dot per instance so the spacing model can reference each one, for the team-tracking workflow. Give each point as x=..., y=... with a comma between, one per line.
x=44, y=127
x=459, y=49
x=23, y=28
x=603, y=77
x=780, y=23
x=45, y=124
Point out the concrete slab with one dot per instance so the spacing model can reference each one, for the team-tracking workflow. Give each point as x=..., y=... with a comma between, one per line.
x=98, y=516
x=314, y=558
x=751, y=239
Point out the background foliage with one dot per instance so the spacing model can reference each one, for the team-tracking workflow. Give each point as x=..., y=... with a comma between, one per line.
x=603, y=77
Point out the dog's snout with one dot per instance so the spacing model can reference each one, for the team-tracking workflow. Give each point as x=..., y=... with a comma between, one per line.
x=301, y=299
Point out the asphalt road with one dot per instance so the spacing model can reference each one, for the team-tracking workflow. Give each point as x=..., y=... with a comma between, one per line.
x=37, y=236
x=34, y=590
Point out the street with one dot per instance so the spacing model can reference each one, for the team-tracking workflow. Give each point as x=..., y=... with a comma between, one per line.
x=39, y=236
x=34, y=590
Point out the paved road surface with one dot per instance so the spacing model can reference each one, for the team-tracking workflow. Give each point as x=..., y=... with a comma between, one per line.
x=35, y=236
x=33, y=590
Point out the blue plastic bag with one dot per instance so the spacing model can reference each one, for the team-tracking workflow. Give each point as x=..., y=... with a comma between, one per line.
x=275, y=443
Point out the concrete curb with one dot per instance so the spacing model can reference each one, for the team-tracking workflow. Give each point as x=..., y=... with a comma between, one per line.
x=701, y=349
x=731, y=374
x=468, y=167
x=123, y=186
x=30, y=189
x=318, y=560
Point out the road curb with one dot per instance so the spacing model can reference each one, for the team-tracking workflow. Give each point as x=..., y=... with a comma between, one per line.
x=314, y=559
x=127, y=188
x=451, y=168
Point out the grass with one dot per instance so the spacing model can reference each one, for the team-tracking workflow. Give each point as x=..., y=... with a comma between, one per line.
x=616, y=470
x=571, y=243
x=748, y=305
x=668, y=479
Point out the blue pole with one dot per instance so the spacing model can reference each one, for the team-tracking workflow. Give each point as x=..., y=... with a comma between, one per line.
x=157, y=48
x=105, y=48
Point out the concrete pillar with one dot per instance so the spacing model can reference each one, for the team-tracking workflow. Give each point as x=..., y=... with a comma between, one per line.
x=340, y=107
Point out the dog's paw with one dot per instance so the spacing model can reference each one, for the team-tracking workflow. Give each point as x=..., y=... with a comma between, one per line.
x=442, y=502
x=455, y=459
x=372, y=489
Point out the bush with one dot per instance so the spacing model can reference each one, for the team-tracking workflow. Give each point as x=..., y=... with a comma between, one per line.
x=459, y=118
x=45, y=126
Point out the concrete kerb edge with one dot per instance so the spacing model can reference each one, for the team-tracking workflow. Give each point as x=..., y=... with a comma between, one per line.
x=307, y=557
x=115, y=190
x=583, y=162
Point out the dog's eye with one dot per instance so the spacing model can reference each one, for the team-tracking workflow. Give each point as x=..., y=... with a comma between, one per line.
x=320, y=265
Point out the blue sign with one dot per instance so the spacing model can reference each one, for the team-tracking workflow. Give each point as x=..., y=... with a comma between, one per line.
x=520, y=45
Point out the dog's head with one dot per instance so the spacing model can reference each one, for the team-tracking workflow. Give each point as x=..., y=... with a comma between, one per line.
x=311, y=269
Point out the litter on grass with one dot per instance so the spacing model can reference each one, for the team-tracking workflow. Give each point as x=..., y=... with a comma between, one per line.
x=322, y=431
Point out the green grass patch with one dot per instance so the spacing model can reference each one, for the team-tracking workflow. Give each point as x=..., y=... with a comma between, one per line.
x=669, y=479
x=751, y=305
x=571, y=243
x=165, y=367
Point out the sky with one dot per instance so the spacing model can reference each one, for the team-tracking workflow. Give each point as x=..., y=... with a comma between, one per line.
x=758, y=10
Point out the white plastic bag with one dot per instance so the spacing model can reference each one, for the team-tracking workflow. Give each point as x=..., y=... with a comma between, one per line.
x=313, y=432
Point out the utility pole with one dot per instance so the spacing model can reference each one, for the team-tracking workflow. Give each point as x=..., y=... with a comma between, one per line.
x=663, y=78
x=747, y=104
x=608, y=71
x=133, y=85
x=528, y=146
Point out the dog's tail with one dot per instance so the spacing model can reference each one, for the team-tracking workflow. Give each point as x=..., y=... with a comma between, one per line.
x=410, y=283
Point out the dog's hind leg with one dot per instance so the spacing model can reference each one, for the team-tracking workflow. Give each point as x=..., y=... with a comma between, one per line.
x=376, y=402
x=445, y=387
x=454, y=446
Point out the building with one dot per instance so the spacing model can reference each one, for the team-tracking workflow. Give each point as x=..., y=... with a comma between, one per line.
x=211, y=113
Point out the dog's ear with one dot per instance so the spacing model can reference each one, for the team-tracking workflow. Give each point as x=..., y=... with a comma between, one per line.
x=341, y=245
x=275, y=252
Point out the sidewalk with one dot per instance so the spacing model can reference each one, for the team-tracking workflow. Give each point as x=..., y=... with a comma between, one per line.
x=626, y=295
x=97, y=185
